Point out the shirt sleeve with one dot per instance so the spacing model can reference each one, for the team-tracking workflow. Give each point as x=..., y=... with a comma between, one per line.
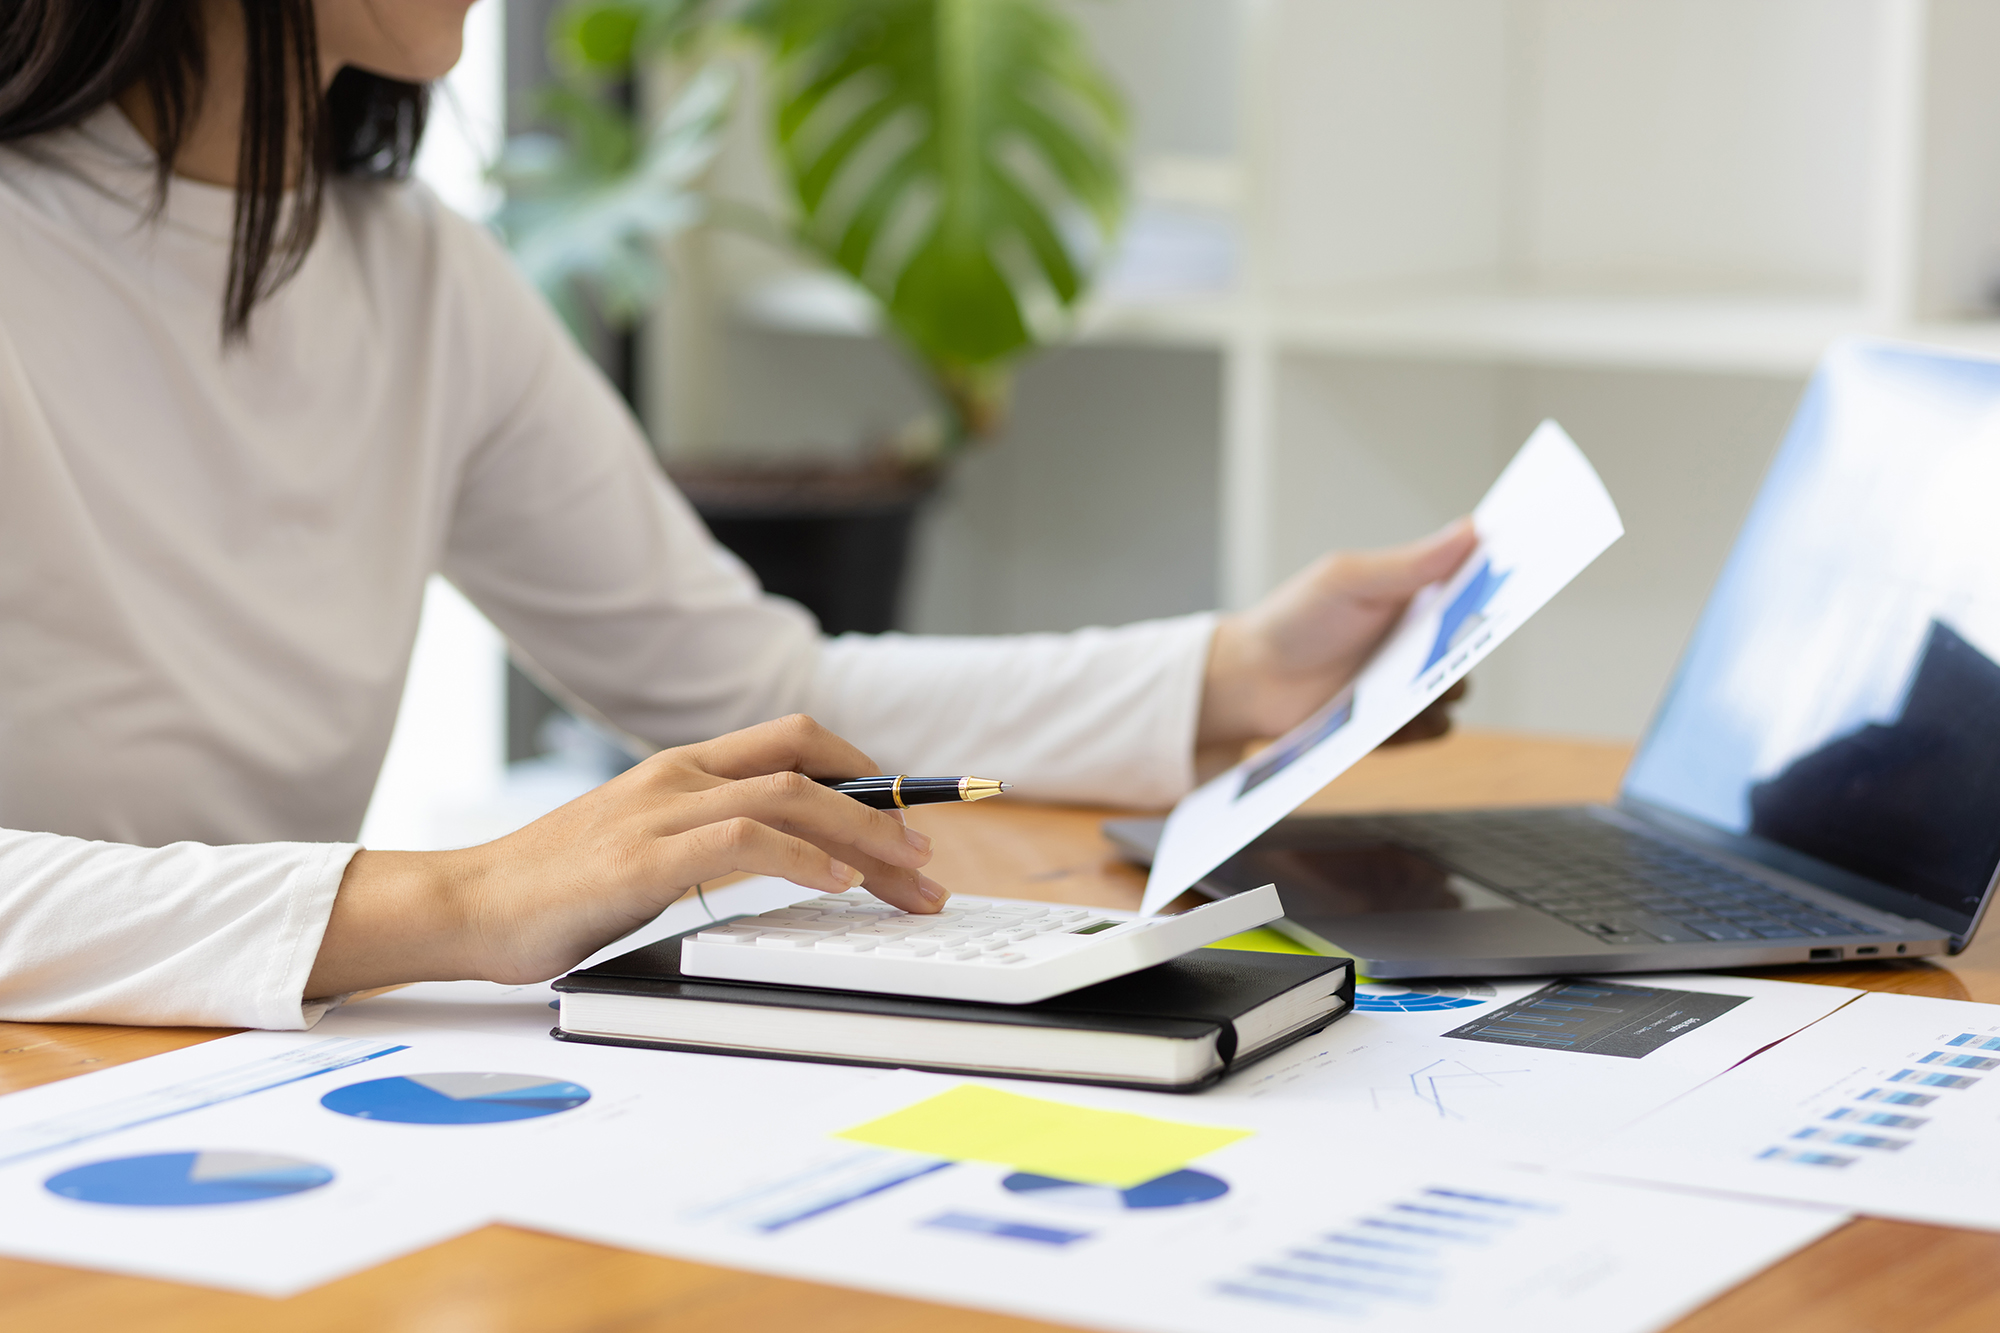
x=99, y=932
x=1099, y=716
x=569, y=536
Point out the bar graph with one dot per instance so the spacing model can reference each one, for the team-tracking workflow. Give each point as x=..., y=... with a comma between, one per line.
x=1960, y=1061
x=1850, y=1139
x=1854, y=1125
x=1804, y=1158
x=1886, y=1119
x=1400, y=1256
x=999, y=1228
x=819, y=1188
x=1975, y=1041
x=1959, y=1082
x=1598, y=1018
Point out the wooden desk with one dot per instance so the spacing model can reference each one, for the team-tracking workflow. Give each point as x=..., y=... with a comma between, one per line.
x=1868, y=1277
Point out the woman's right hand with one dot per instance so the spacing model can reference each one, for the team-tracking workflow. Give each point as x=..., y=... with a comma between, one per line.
x=539, y=901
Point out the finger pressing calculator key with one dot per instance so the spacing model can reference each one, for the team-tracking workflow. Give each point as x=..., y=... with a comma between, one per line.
x=989, y=950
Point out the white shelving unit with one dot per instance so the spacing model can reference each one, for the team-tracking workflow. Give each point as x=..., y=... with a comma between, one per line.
x=1666, y=186
x=1645, y=217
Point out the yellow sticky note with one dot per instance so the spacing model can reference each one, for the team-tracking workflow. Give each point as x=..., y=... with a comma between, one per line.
x=979, y=1124
x=1262, y=940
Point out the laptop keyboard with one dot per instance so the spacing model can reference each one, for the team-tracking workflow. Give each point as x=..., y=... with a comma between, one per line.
x=1621, y=886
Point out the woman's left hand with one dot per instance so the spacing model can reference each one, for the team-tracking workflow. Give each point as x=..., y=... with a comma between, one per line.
x=1271, y=666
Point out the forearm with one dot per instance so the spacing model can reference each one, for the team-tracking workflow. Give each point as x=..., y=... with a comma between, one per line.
x=398, y=917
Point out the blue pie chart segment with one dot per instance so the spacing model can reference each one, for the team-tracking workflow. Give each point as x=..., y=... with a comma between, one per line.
x=188, y=1179
x=1411, y=1004
x=1169, y=1191
x=456, y=1098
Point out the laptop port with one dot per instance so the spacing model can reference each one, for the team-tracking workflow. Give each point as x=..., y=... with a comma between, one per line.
x=1866, y=951
x=1825, y=955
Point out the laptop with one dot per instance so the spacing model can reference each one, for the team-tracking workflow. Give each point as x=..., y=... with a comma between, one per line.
x=1821, y=783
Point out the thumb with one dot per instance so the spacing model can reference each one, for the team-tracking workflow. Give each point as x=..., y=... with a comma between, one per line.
x=1398, y=571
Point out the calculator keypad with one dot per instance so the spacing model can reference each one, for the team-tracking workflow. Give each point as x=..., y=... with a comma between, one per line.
x=969, y=931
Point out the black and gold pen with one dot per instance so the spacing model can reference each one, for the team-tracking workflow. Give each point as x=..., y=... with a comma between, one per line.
x=896, y=791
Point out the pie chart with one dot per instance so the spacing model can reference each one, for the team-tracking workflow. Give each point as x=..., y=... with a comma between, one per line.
x=188, y=1179
x=1172, y=1190
x=456, y=1098
x=1389, y=998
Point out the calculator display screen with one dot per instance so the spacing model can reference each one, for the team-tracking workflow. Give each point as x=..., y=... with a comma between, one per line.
x=1094, y=927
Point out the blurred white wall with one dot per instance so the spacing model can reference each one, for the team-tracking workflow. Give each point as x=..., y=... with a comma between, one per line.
x=448, y=754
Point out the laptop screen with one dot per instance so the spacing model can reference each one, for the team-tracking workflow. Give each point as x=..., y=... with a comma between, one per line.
x=1841, y=694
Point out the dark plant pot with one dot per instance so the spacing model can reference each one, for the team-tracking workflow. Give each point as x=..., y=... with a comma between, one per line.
x=835, y=540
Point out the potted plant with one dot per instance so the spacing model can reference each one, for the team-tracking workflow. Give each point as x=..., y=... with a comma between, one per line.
x=961, y=161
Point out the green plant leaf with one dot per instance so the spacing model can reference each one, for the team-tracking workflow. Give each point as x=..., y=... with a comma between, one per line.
x=588, y=208
x=598, y=35
x=962, y=159
x=605, y=39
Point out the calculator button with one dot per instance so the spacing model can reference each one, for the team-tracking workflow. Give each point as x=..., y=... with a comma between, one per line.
x=1004, y=958
x=821, y=927
x=884, y=932
x=1016, y=936
x=988, y=919
x=906, y=948
x=962, y=952
x=1029, y=913
x=996, y=944
x=781, y=915
x=939, y=937
x=786, y=939
x=843, y=944
x=727, y=935
x=1044, y=927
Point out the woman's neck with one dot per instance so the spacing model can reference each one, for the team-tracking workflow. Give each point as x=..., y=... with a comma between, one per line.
x=208, y=148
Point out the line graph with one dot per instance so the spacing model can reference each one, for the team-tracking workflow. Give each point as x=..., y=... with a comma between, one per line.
x=1444, y=1086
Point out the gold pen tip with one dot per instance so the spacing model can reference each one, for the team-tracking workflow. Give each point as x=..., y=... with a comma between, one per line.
x=978, y=789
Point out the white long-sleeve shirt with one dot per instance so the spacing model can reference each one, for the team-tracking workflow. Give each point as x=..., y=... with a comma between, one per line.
x=212, y=561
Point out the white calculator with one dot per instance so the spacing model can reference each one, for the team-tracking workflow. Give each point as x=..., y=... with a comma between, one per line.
x=994, y=950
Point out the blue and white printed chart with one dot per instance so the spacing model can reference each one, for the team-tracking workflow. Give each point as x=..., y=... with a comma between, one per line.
x=271, y=1162
x=214, y=1165
x=1529, y=1072
x=1545, y=519
x=1887, y=1107
x=1275, y=1232
x=188, y=1179
x=1422, y=997
x=456, y=1097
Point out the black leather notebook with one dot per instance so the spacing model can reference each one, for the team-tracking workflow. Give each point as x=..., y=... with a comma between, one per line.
x=1177, y=1027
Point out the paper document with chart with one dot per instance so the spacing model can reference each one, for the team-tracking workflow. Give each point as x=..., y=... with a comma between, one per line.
x=1119, y=1210
x=1886, y=1107
x=1542, y=523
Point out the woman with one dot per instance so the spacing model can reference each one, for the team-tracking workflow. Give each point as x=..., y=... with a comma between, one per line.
x=254, y=390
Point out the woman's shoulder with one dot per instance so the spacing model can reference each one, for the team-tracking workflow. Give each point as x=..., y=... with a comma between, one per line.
x=406, y=221
x=415, y=248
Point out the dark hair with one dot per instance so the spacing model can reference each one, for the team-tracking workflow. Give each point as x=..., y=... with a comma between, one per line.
x=61, y=60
